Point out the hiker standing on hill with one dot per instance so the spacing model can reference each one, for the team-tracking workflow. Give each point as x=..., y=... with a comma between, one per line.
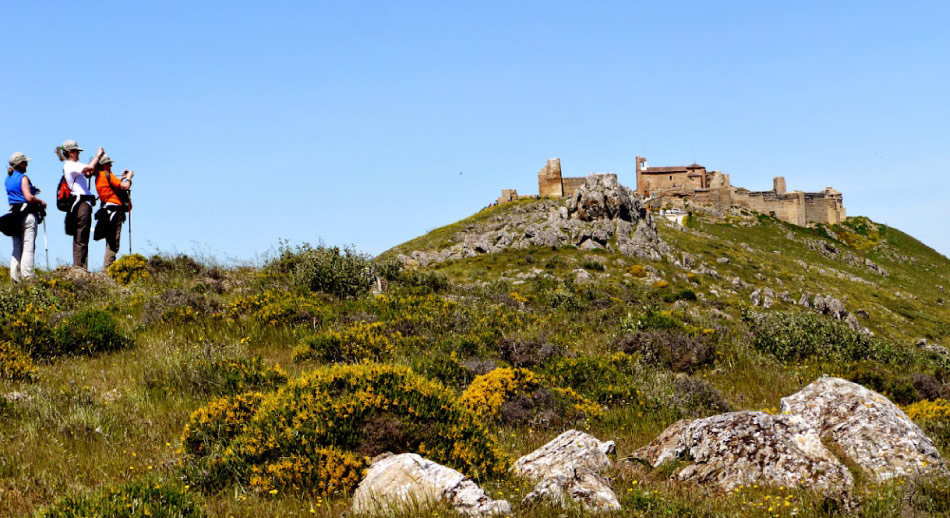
x=79, y=218
x=114, y=202
x=26, y=213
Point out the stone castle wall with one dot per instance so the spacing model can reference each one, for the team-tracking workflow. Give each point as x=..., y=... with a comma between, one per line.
x=551, y=184
x=679, y=186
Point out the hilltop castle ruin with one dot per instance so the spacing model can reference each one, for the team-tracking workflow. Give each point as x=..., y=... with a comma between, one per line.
x=679, y=186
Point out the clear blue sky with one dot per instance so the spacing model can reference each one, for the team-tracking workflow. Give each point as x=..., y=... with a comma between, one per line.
x=349, y=122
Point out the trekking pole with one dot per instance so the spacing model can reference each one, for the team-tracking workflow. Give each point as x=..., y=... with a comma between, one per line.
x=45, y=244
x=130, y=232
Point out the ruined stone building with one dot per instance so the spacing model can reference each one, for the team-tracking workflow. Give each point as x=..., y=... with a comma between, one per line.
x=679, y=186
x=550, y=184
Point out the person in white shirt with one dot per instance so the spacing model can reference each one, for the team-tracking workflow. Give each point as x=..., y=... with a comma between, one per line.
x=79, y=218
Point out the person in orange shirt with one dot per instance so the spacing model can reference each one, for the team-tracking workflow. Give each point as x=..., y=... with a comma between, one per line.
x=114, y=203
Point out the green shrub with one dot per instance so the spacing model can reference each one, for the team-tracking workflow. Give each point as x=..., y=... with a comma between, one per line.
x=876, y=377
x=792, y=336
x=181, y=263
x=446, y=369
x=593, y=265
x=30, y=333
x=674, y=350
x=89, y=332
x=314, y=434
x=339, y=272
x=648, y=319
x=608, y=380
x=128, y=268
x=137, y=499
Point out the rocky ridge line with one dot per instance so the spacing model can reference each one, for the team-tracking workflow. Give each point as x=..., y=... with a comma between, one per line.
x=601, y=214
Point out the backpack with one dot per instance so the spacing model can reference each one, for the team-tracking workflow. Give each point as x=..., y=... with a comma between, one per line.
x=64, y=196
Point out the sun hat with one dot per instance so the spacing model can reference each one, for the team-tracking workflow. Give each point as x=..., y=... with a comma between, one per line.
x=18, y=158
x=71, y=145
x=105, y=159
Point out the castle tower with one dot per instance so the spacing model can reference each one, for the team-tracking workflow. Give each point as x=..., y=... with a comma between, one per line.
x=641, y=164
x=778, y=184
x=549, y=179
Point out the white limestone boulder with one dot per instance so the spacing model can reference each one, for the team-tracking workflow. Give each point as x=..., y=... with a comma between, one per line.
x=869, y=428
x=571, y=465
x=408, y=482
x=742, y=448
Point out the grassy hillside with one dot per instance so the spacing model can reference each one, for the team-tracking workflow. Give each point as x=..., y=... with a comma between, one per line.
x=117, y=386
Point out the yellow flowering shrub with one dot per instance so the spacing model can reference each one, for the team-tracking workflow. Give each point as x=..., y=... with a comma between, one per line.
x=937, y=410
x=360, y=341
x=933, y=417
x=14, y=364
x=216, y=423
x=490, y=391
x=340, y=472
x=315, y=432
x=274, y=308
x=128, y=269
x=637, y=270
x=488, y=394
x=414, y=313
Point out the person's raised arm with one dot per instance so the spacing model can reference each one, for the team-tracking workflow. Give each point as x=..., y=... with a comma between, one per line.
x=126, y=181
x=28, y=193
x=91, y=167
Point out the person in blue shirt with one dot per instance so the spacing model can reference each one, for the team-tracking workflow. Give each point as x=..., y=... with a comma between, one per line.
x=28, y=211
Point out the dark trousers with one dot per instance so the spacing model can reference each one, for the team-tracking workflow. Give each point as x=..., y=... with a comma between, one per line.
x=81, y=237
x=112, y=241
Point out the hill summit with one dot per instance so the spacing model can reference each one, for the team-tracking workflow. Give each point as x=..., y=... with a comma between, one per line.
x=600, y=214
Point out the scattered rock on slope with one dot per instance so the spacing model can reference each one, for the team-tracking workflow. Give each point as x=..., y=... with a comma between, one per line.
x=408, y=482
x=571, y=464
x=601, y=214
x=743, y=448
x=872, y=431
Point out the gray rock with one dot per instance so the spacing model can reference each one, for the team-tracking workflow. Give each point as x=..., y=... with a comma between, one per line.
x=581, y=276
x=572, y=464
x=688, y=260
x=408, y=482
x=744, y=448
x=932, y=348
x=869, y=429
x=723, y=260
x=592, y=491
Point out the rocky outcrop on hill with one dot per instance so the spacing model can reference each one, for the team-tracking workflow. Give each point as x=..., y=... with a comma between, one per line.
x=571, y=465
x=409, y=482
x=743, y=448
x=601, y=214
x=739, y=448
x=872, y=431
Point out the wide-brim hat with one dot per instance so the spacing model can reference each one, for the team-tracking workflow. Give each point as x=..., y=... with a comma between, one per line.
x=71, y=145
x=105, y=159
x=18, y=158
